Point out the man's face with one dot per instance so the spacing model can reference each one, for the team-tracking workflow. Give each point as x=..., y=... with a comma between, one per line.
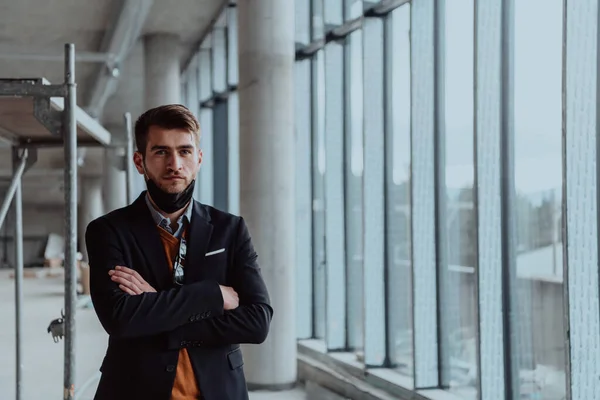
x=172, y=158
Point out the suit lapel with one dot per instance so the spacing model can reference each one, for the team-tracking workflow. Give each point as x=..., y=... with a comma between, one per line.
x=148, y=239
x=199, y=234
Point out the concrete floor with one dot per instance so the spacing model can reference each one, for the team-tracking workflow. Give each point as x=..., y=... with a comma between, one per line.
x=43, y=359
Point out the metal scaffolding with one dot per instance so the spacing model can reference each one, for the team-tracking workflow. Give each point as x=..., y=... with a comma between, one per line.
x=33, y=114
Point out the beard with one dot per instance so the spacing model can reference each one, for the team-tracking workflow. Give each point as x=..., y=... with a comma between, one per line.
x=171, y=197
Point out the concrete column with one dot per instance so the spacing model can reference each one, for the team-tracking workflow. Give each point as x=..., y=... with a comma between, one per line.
x=162, y=70
x=267, y=180
x=114, y=179
x=91, y=206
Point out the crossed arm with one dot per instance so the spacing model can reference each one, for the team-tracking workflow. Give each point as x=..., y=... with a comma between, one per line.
x=203, y=313
x=132, y=283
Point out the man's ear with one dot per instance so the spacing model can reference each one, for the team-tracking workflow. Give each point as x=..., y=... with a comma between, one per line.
x=199, y=157
x=138, y=160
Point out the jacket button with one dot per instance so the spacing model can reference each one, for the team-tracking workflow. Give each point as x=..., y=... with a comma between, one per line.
x=170, y=368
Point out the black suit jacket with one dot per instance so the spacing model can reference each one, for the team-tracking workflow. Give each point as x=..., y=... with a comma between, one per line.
x=147, y=331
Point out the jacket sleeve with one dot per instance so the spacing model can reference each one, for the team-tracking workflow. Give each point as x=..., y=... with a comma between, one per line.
x=248, y=323
x=126, y=316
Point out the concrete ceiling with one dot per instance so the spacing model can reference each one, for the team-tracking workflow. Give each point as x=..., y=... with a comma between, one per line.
x=32, y=38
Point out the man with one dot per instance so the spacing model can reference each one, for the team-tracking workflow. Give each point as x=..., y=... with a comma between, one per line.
x=175, y=283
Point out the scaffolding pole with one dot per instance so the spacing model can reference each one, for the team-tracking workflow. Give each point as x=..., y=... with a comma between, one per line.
x=19, y=283
x=70, y=149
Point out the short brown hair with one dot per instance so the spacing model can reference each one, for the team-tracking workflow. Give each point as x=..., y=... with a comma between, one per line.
x=170, y=116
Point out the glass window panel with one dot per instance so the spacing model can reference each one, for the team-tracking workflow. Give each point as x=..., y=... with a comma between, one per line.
x=233, y=132
x=398, y=213
x=318, y=22
x=353, y=9
x=457, y=277
x=334, y=197
x=302, y=35
x=374, y=191
x=183, y=92
x=220, y=156
x=423, y=194
x=334, y=12
x=354, y=193
x=232, y=47
x=192, y=88
x=318, y=190
x=219, y=60
x=204, y=75
x=537, y=330
x=304, y=273
x=205, y=189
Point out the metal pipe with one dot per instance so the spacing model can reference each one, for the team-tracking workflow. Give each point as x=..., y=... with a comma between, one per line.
x=118, y=41
x=129, y=158
x=16, y=179
x=91, y=57
x=70, y=139
x=19, y=272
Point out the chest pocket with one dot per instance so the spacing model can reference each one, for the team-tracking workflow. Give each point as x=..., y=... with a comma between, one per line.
x=216, y=263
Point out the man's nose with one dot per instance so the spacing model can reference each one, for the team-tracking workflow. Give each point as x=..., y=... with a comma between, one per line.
x=175, y=162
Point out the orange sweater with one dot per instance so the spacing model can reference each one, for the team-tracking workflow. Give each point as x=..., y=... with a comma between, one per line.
x=185, y=386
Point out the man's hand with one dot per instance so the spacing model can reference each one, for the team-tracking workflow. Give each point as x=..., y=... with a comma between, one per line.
x=130, y=281
x=231, y=300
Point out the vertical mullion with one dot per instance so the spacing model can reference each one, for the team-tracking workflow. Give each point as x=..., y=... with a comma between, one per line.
x=488, y=131
x=448, y=288
x=304, y=309
x=374, y=192
x=423, y=192
x=334, y=197
x=581, y=143
x=508, y=198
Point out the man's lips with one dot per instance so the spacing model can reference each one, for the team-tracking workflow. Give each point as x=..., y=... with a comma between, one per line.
x=172, y=178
